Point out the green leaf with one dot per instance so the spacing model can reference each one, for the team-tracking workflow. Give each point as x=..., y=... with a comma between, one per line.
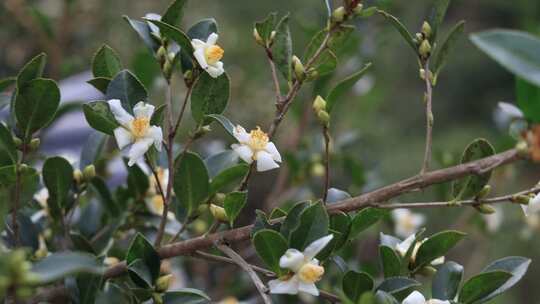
x=140, y=274
x=224, y=122
x=126, y=87
x=364, y=219
x=112, y=294
x=173, y=13
x=58, y=178
x=35, y=105
x=28, y=232
x=516, y=51
x=340, y=222
x=233, y=205
x=81, y=243
x=158, y=116
x=106, y=62
x=446, y=282
x=403, y=31
x=437, y=17
x=482, y=285
x=8, y=150
x=270, y=246
x=105, y=196
x=448, y=46
x=382, y=297
x=32, y=70
x=220, y=161
x=6, y=83
x=343, y=86
x=202, y=29
x=326, y=63
x=99, y=116
x=210, y=96
x=228, y=177
x=185, y=296
x=100, y=83
x=266, y=26
x=355, y=284
x=191, y=181
x=470, y=186
x=437, y=246
x=313, y=225
x=293, y=218
x=391, y=262
x=397, y=284
x=137, y=180
x=335, y=43
x=143, y=31
x=528, y=99
x=92, y=149
x=515, y=265
x=62, y=264
x=282, y=47
x=176, y=35
x=141, y=249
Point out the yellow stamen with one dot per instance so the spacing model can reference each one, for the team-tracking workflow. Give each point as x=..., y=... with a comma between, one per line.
x=139, y=126
x=257, y=140
x=213, y=54
x=311, y=273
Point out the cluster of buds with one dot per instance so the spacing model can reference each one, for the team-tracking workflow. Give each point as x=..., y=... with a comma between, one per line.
x=422, y=41
x=33, y=145
x=84, y=176
x=341, y=13
x=482, y=207
x=319, y=107
x=261, y=41
x=165, y=59
x=15, y=274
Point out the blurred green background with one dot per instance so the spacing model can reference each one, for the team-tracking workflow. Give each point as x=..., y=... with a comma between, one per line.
x=378, y=128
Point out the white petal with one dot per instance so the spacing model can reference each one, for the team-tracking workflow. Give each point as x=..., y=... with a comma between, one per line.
x=271, y=148
x=414, y=298
x=438, y=261
x=123, y=137
x=216, y=70
x=143, y=110
x=308, y=288
x=314, y=248
x=244, y=152
x=212, y=39
x=533, y=206
x=198, y=44
x=404, y=246
x=153, y=27
x=510, y=110
x=156, y=135
x=292, y=259
x=138, y=149
x=278, y=286
x=201, y=59
x=240, y=134
x=265, y=162
x=121, y=115
x=399, y=214
x=435, y=301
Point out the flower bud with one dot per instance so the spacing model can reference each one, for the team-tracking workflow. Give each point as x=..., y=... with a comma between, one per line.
x=324, y=117
x=426, y=30
x=339, y=14
x=425, y=49
x=167, y=68
x=520, y=199
x=319, y=104
x=161, y=54
x=484, y=192
x=89, y=172
x=17, y=141
x=202, y=208
x=317, y=170
x=422, y=73
x=522, y=148
x=34, y=144
x=312, y=74
x=199, y=226
x=218, y=213
x=298, y=68
x=418, y=38
x=163, y=282
x=272, y=36
x=257, y=37
x=77, y=176
x=23, y=167
x=219, y=198
x=485, y=208
x=358, y=9
x=111, y=261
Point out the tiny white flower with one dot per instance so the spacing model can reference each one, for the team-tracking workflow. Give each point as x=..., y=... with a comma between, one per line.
x=404, y=246
x=305, y=270
x=208, y=55
x=407, y=222
x=510, y=110
x=135, y=132
x=417, y=298
x=153, y=28
x=255, y=146
x=533, y=206
x=41, y=197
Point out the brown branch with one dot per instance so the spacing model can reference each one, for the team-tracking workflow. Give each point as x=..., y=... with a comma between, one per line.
x=275, y=79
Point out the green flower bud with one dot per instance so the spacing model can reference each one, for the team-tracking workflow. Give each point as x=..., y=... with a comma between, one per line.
x=202, y=208
x=419, y=37
x=161, y=53
x=317, y=170
x=485, y=208
x=426, y=29
x=163, y=283
x=34, y=144
x=167, y=68
x=422, y=73
x=522, y=148
x=78, y=176
x=156, y=297
x=257, y=37
x=89, y=172
x=339, y=14
x=18, y=142
x=484, y=192
x=358, y=9
x=199, y=226
x=520, y=199
x=312, y=74
x=219, y=198
x=23, y=167
x=324, y=117
x=319, y=104
x=298, y=68
x=218, y=213
x=425, y=49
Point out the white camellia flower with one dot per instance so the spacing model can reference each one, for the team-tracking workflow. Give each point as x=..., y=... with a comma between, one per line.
x=135, y=131
x=305, y=267
x=404, y=246
x=417, y=298
x=208, y=55
x=407, y=222
x=533, y=206
x=255, y=146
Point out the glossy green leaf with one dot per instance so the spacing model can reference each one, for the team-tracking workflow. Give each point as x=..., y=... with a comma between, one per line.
x=173, y=13
x=437, y=16
x=397, y=284
x=293, y=218
x=6, y=83
x=140, y=274
x=233, y=204
x=100, y=83
x=514, y=50
x=515, y=265
x=390, y=261
x=470, y=185
x=340, y=222
x=202, y=29
x=112, y=294
x=126, y=87
x=105, y=196
x=99, y=116
x=446, y=281
x=141, y=249
x=343, y=86
x=92, y=149
x=32, y=70
x=81, y=243
x=364, y=219
x=441, y=57
x=266, y=26
x=437, y=246
x=8, y=150
x=137, y=180
x=185, y=296
x=62, y=264
x=175, y=34
x=210, y=96
x=158, y=116
x=224, y=122
x=106, y=62
x=270, y=246
x=36, y=104
x=382, y=297
x=528, y=99
x=313, y=225
x=482, y=285
x=355, y=284
x=58, y=178
x=335, y=43
x=228, y=177
x=403, y=31
x=143, y=31
x=282, y=47
x=191, y=183
x=220, y=161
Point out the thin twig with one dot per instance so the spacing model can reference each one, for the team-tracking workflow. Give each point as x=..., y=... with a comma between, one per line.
x=429, y=119
x=17, y=198
x=326, y=134
x=273, y=69
x=247, y=268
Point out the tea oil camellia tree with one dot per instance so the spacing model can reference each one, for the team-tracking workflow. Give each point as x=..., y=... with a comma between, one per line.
x=68, y=237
